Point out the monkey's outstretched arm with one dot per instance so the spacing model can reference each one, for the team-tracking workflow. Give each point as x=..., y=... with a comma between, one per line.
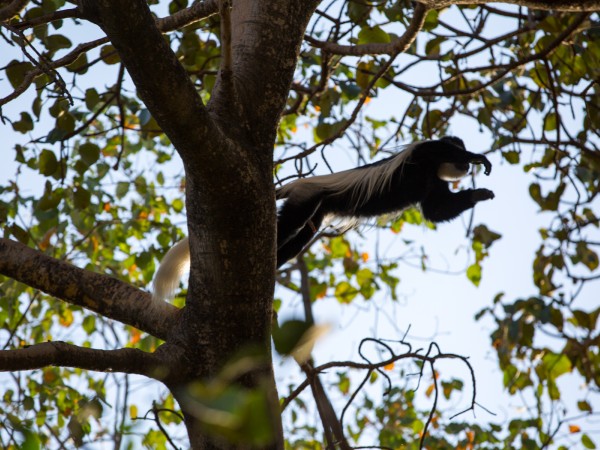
x=465, y=157
x=452, y=154
x=444, y=206
x=481, y=159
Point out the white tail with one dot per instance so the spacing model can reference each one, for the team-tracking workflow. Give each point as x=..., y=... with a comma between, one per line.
x=175, y=263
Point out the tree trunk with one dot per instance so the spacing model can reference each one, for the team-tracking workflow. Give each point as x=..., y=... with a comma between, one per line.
x=227, y=151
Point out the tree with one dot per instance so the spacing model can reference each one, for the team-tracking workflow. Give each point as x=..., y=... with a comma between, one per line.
x=221, y=84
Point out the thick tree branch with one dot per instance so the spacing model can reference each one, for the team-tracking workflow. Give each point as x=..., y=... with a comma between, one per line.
x=548, y=5
x=332, y=427
x=12, y=9
x=182, y=18
x=225, y=12
x=99, y=293
x=125, y=360
x=265, y=42
x=399, y=45
x=47, y=18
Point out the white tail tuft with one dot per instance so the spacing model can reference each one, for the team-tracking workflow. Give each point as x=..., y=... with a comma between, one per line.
x=175, y=263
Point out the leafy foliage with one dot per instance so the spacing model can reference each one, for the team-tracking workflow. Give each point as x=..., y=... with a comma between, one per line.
x=94, y=180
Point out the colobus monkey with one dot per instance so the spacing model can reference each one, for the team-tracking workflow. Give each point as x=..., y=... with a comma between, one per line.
x=417, y=175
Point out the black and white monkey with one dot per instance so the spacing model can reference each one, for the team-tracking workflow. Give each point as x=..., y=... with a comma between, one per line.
x=418, y=175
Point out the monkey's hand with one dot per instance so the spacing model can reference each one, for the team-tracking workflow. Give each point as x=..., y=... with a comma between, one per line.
x=481, y=159
x=479, y=195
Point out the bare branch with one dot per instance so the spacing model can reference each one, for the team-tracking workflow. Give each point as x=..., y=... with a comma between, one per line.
x=332, y=427
x=548, y=5
x=399, y=45
x=99, y=293
x=198, y=11
x=56, y=15
x=126, y=360
x=502, y=70
x=225, y=12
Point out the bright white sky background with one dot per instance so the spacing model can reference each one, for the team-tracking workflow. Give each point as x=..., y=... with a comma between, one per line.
x=436, y=306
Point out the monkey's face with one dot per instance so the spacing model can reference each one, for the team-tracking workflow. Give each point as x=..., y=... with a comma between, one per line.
x=452, y=171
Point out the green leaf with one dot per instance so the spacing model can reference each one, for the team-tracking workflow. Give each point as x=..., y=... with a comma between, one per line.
x=343, y=383
x=556, y=365
x=16, y=72
x=122, y=189
x=57, y=42
x=339, y=247
x=287, y=336
x=31, y=442
x=80, y=65
x=474, y=274
x=368, y=35
x=81, y=198
x=89, y=324
x=432, y=122
x=550, y=122
x=431, y=20
x=178, y=205
x=48, y=164
x=364, y=277
x=91, y=98
x=433, y=47
x=512, y=156
x=345, y=292
x=586, y=256
x=89, y=153
x=65, y=122
x=109, y=55
x=363, y=73
x=482, y=234
x=25, y=124
x=351, y=90
x=587, y=442
x=584, y=406
x=49, y=200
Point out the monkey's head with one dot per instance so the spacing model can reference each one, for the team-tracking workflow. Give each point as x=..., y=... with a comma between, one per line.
x=454, y=171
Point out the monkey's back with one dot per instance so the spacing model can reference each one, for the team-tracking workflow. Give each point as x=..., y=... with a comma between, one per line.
x=408, y=186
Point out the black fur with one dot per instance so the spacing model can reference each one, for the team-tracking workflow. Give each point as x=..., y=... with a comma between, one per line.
x=415, y=181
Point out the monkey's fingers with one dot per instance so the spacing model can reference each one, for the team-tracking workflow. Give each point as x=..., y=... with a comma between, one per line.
x=479, y=195
x=488, y=166
x=481, y=159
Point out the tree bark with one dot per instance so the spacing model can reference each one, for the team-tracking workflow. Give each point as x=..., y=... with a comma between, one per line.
x=99, y=293
x=227, y=153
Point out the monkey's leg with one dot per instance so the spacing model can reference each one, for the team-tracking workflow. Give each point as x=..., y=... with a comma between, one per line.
x=293, y=216
x=441, y=206
x=295, y=245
